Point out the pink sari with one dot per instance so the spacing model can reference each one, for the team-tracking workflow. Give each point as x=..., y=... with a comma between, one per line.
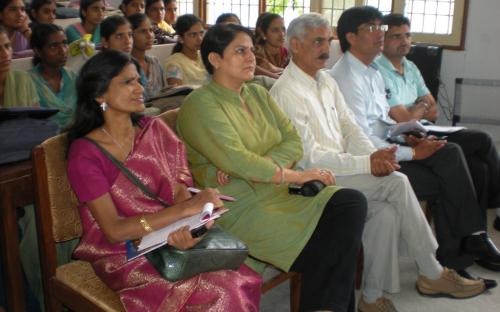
x=158, y=159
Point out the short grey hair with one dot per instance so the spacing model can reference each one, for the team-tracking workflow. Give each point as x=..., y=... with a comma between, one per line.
x=299, y=26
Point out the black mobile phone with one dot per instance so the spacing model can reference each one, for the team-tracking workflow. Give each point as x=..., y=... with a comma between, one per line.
x=199, y=231
x=294, y=189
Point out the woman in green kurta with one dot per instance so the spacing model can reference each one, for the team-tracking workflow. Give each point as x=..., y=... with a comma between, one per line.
x=234, y=129
x=16, y=87
x=56, y=84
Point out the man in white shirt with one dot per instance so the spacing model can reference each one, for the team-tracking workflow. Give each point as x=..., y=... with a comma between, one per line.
x=332, y=138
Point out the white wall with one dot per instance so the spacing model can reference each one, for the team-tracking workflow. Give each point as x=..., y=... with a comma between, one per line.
x=481, y=57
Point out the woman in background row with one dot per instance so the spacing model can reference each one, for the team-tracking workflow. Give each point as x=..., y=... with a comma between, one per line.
x=16, y=87
x=270, y=50
x=170, y=12
x=225, y=18
x=113, y=210
x=42, y=12
x=116, y=34
x=16, y=22
x=55, y=84
x=164, y=33
x=155, y=9
x=130, y=7
x=150, y=65
x=91, y=14
x=184, y=66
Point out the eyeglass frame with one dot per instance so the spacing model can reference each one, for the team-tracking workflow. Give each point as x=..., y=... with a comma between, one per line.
x=371, y=28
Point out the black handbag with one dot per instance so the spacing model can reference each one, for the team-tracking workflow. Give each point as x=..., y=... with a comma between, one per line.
x=217, y=250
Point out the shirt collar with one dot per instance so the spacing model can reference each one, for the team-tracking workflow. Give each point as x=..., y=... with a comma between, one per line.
x=296, y=72
x=225, y=93
x=383, y=61
x=358, y=65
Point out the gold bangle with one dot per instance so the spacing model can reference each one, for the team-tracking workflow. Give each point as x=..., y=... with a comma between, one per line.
x=413, y=153
x=145, y=225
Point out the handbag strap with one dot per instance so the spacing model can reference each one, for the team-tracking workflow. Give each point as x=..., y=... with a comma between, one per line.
x=131, y=176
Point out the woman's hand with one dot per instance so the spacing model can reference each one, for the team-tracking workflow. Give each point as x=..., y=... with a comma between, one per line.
x=197, y=202
x=182, y=238
x=323, y=175
x=222, y=177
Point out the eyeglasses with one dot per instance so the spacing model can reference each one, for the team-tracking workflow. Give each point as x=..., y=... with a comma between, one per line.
x=374, y=28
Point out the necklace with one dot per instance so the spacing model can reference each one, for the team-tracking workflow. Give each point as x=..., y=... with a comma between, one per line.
x=120, y=146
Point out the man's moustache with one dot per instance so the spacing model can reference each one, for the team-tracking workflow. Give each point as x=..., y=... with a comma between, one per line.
x=324, y=56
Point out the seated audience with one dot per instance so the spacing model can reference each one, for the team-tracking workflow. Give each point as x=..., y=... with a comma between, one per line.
x=333, y=139
x=42, y=12
x=270, y=50
x=225, y=18
x=91, y=14
x=411, y=99
x=16, y=87
x=150, y=65
x=16, y=22
x=185, y=66
x=170, y=12
x=116, y=34
x=238, y=140
x=109, y=97
x=130, y=7
x=55, y=83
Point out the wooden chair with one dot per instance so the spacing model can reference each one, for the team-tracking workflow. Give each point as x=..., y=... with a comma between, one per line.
x=75, y=284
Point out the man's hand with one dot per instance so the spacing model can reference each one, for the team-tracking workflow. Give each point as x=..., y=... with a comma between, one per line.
x=427, y=148
x=383, y=162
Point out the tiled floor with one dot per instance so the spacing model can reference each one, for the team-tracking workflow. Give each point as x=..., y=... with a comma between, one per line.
x=408, y=299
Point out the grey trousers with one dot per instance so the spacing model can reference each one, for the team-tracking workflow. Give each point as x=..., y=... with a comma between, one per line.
x=394, y=219
x=445, y=179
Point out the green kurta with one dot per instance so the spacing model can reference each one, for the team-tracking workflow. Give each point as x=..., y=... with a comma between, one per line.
x=219, y=133
x=20, y=91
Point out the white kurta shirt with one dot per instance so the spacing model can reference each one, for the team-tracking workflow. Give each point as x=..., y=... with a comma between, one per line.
x=316, y=107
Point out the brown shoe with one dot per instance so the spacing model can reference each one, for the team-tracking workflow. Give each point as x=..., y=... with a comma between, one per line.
x=450, y=285
x=381, y=305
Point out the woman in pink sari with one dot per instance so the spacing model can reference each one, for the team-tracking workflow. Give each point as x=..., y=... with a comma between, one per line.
x=114, y=210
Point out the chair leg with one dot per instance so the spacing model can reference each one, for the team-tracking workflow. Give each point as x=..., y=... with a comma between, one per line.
x=295, y=282
x=359, y=268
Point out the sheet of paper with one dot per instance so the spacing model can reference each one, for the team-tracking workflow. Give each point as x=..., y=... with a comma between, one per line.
x=402, y=127
x=442, y=129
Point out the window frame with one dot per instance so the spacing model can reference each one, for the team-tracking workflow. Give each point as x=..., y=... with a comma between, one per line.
x=454, y=41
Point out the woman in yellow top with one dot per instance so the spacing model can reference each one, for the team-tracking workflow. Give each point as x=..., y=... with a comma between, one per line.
x=170, y=12
x=155, y=10
x=184, y=66
x=238, y=140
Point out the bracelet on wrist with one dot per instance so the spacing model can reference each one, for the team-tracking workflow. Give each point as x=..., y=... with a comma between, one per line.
x=413, y=153
x=282, y=174
x=145, y=225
